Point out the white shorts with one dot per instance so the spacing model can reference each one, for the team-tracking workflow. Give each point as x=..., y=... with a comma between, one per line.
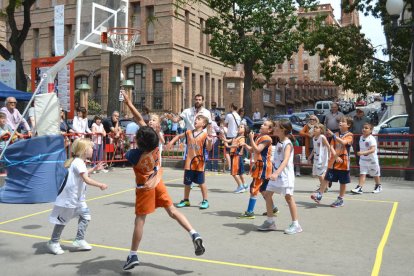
x=319, y=171
x=278, y=187
x=62, y=215
x=371, y=169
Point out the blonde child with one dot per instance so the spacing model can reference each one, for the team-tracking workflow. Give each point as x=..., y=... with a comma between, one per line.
x=262, y=166
x=339, y=162
x=282, y=180
x=70, y=202
x=236, y=154
x=368, y=161
x=197, y=142
x=320, y=152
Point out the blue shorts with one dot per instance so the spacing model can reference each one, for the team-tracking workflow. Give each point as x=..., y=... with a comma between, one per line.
x=193, y=177
x=333, y=175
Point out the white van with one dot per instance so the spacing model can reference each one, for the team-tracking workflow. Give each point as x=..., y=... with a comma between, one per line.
x=323, y=106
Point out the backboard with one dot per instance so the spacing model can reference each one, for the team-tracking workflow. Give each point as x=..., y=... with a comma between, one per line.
x=96, y=17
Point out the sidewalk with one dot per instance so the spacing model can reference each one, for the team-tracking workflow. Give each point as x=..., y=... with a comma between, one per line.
x=371, y=235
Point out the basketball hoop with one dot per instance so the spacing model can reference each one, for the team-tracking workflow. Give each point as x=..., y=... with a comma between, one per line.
x=123, y=40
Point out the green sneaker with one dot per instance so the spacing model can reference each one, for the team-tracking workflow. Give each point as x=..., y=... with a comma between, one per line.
x=183, y=203
x=247, y=215
x=204, y=204
x=275, y=211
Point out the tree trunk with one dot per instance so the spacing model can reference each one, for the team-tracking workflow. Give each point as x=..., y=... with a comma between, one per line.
x=21, y=80
x=114, y=83
x=247, y=91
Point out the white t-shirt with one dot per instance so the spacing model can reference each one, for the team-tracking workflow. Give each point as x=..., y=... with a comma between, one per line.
x=80, y=125
x=364, y=145
x=97, y=138
x=233, y=121
x=189, y=114
x=286, y=178
x=256, y=116
x=73, y=195
x=320, y=153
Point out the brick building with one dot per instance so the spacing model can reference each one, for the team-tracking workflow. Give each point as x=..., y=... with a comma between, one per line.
x=171, y=46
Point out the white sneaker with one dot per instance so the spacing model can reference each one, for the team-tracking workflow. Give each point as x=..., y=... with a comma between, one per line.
x=267, y=226
x=293, y=229
x=378, y=189
x=55, y=248
x=239, y=190
x=357, y=190
x=81, y=245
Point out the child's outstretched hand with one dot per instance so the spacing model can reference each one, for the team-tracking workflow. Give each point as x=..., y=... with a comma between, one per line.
x=168, y=146
x=251, y=135
x=274, y=176
x=100, y=166
x=126, y=98
x=103, y=187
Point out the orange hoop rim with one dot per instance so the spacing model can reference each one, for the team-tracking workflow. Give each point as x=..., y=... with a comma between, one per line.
x=118, y=31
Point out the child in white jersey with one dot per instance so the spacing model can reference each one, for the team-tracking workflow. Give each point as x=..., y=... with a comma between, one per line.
x=368, y=161
x=70, y=202
x=282, y=180
x=320, y=152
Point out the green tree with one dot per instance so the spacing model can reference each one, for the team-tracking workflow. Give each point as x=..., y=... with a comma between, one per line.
x=256, y=33
x=17, y=38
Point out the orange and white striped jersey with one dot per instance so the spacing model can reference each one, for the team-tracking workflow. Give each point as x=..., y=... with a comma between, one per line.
x=342, y=151
x=262, y=167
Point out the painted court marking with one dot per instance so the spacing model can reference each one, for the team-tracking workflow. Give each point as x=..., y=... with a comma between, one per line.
x=375, y=270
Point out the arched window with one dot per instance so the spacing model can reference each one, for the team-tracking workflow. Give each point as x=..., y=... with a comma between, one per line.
x=305, y=67
x=97, y=89
x=137, y=73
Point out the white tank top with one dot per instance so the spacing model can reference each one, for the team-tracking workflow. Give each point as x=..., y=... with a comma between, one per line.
x=287, y=176
x=320, y=152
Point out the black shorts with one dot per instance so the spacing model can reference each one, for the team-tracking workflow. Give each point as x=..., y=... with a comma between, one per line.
x=193, y=177
x=333, y=175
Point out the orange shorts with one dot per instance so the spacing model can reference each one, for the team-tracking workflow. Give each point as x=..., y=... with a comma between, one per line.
x=258, y=185
x=146, y=201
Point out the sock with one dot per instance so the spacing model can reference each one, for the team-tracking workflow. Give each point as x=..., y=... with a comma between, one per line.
x=191, y=232
x=270, y=219
x=132, y=253
x=295, y=222
x=252, y=203
x=341, y=198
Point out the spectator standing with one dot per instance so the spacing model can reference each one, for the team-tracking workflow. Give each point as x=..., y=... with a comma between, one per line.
x=5, y=132
x=64, y=128
x=99, y=133
x=130, y=131
x=256, y=115
x=14, y=117
x=332, y=118
x=213, y=154
x=242, y=115
x=359, y=121
x=216, y=112
x=31, y=116
x=112, y=126
x=80, y=122
x=232, y=122
x=307, y=133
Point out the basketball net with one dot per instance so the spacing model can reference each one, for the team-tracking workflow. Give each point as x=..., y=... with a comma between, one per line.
x=123, y=40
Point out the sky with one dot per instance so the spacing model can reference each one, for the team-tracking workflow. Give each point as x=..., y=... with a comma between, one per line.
x=371, y=26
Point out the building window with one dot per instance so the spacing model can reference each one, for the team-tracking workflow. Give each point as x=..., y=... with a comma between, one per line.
x=202, y=86
x=79, y=80
x=266, y=95
x=280, y=66
x=186, y=86
x=136, y=18
x=213, y=90
x=201, y=35
x=36, y=43
x=305, y=67
x=278, y=96
x=208, y=93
x=137, y=73
x=193, y=83
x=207, y=44
x=288, y=95
x=52, y=41
x=187, y=29
x=98, y=89
x=291, y=64
x=158, y=89
x=68, y=37
x=179, y=73
x=150, y=24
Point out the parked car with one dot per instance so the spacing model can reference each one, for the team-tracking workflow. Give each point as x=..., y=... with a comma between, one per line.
x=303, y=116
x=323, y=106
x=360, y=102
x=397, y=124
x=124, y=122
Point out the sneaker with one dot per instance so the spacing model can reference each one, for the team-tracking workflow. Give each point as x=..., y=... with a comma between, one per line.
x=317, y=197
x=298, y=175
x=246, y=187
x=54, y=247
x=339, y=202
x=81, y=245
x=204, y=204
x=267, y=226
x=357, y=190
x=104, y=171
x=246, y=215
x=275, y=211
x=131, y=262
x=378, y=189
x=198, y=244
x=293, y=229
x=239, y=190
x=183, y=203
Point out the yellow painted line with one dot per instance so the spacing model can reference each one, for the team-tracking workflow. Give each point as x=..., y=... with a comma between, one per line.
x=380, y=249
x=176, y=256
x=95, y=198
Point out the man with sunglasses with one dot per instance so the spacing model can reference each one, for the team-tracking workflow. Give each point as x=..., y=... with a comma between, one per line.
x=14, y=117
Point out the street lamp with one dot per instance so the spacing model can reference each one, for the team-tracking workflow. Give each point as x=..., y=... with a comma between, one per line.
x=84, y=90
x=395, y=9
x=127, y=86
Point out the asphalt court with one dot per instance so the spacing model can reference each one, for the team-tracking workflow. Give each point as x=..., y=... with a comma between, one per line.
x=370, y=235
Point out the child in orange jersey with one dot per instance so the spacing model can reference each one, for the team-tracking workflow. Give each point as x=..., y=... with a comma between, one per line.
x=338, y=166
x=150, y=191
x=262, y=166
x=236, y=156
x=197, y=142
